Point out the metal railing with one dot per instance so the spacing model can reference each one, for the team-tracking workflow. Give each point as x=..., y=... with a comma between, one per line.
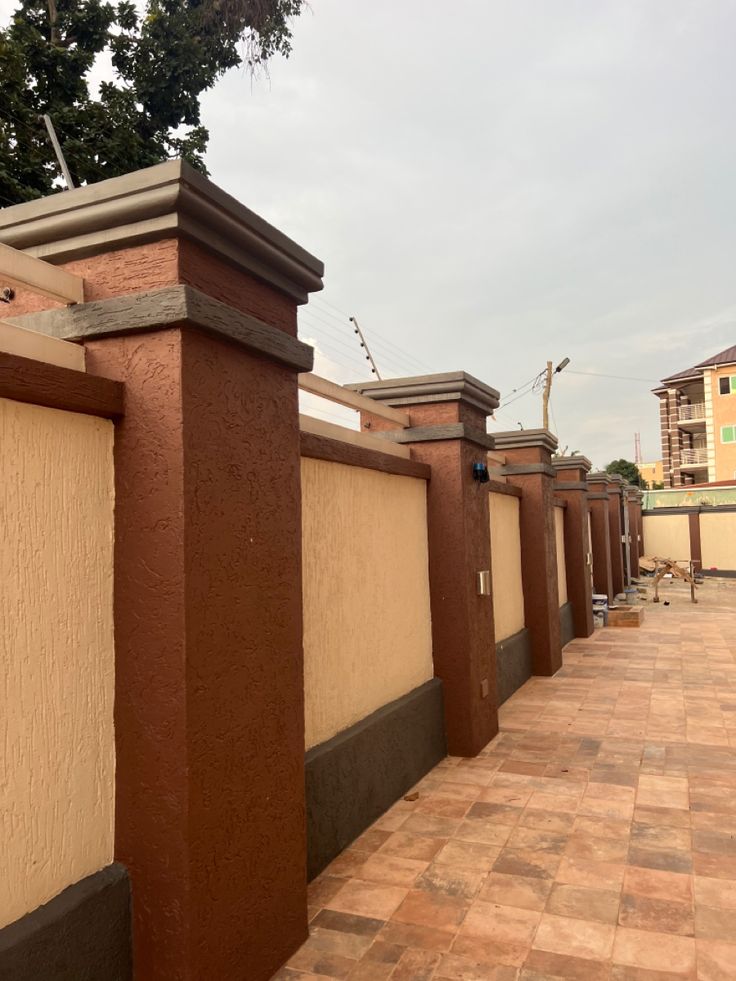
x=694, y=457
x=689, y=412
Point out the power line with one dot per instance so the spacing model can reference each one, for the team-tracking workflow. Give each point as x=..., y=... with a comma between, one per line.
x=595, y=374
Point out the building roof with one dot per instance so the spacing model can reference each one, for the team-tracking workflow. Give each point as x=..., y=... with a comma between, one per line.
x=723, y=357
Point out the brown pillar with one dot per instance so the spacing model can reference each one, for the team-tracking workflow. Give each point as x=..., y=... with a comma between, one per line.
x=618, y=568
x=600, y=533
x=448, y=416
x=529, y=467
x=209, y=714
x=572, y=487
x=633, y=506
x=696, y=551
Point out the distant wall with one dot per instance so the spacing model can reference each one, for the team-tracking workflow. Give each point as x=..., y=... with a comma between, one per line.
x=56, y=636
x=367, y=620
x=508, y=591
x=667, y=535
x=561, y=560
x=718, y=539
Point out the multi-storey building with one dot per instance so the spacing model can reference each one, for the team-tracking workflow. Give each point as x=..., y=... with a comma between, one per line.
x=697, y=411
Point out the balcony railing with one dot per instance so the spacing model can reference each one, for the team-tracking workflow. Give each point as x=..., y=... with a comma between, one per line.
x=690, y=412
x=698, y=457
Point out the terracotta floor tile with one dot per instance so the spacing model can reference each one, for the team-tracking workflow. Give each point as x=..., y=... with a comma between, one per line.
x=541, y=965
x=416, y=965
x=451, y=880
x=495, y=951
x=485, y=832
x=716, y=960
x=391, y=870
x=574, y=937
x=601, y=818
x=584, y=903
x=658, y=884
x=516, y=890
x=527, y=862
x=508, y=924
x=654, y=951
x=595, y=849
x=368, y=899
x=436, y=910
x=716, y=893
x=716, y=924
x=416, y=847
x=410, y=935
x=660, y=915
x=468, y=855
x=595, y=875
x=555, y=823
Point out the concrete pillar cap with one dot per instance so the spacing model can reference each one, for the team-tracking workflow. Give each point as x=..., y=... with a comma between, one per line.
x=517, y=439
x=449, y=386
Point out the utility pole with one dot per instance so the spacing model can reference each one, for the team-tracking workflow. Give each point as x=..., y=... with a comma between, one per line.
x=548, y=388
x=545, y=396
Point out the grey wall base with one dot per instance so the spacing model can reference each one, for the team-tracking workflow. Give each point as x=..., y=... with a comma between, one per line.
x=355, y=776
x=567, y=625
x=513, y=663
x=83, y=934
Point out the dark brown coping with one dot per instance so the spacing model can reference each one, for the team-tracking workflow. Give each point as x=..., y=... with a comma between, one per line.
x=498, y=487
x=26, y=380
x=559, y=502
x=335, y=451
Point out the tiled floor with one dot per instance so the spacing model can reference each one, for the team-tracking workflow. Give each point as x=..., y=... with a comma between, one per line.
x=594, y=838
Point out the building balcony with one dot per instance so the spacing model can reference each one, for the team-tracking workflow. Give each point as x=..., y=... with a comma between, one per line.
x=692, y=413
x=694, y=458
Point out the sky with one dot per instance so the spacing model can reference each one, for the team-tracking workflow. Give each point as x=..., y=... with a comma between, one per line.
x=494, y=184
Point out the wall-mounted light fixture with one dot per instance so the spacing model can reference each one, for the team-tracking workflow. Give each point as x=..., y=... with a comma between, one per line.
x=480, y=473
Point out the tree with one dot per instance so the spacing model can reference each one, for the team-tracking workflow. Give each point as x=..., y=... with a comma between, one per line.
x=162, y=62
x=626, y=469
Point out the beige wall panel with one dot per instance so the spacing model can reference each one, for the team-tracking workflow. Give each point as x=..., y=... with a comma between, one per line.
x=718, y=539
x=508, y=592
x=561, y=561
x=367, y=620
x=667, y=535
x=56, y=652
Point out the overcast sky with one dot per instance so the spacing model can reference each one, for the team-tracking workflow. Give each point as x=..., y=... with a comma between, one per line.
x=492, y=184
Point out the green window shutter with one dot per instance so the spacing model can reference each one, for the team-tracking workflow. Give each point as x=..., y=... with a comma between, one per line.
x=733, y=384
x=727, y=434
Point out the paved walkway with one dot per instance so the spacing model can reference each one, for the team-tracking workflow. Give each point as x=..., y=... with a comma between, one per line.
x=594, y=838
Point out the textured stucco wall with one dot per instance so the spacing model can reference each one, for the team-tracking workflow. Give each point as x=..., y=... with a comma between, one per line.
x=367, y=621
x=718, y=539
x=561, y=558
x=508, y=590
x=724, y=414
x=56, y=641
x=667, y=535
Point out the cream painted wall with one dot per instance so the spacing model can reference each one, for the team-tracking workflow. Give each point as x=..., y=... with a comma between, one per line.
x=561, y=561
x=367, y=620
x=667, y=536
x=56, y=652
x=718, y=539
x=508, y=592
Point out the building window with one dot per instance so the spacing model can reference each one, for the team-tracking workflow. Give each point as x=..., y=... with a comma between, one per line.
x=727, y=385
x=728, y=434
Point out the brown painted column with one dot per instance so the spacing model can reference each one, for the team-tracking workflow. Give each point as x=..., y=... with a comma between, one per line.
x=572, y=487
x=209, y=700
x=600, y=533
x=696, y=550
x=448, y=415
x=529, y=467
x=618, y=566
